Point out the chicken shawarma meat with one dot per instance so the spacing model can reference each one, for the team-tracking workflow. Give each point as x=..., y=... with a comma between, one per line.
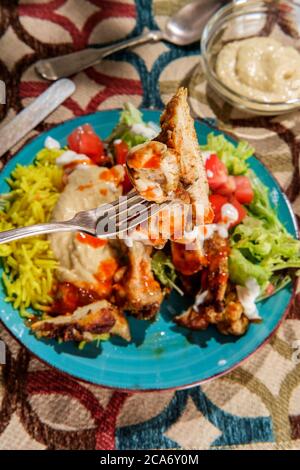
x=217, y=253
x=85, y=324
x=230, y=320
x=178, y=133
x=171, y=167
x=218, y=304
x=154, y=171
x=139, y=292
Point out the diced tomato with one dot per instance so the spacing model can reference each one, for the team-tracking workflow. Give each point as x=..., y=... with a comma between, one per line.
x=85, y=140
x=217, y=201
x=121, y=152
x=227, y=188
x=244, y=192
x=241, y=211
x=216, y=172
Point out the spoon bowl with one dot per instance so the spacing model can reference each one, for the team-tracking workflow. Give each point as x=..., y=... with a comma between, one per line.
x=186, y=26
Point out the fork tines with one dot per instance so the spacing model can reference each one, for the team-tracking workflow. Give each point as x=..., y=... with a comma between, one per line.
x=125, y=214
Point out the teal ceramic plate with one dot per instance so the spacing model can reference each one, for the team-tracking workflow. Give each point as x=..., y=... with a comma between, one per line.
x=161, y=355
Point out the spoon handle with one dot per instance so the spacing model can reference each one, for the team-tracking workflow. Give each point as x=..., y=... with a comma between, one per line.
x=69, y=64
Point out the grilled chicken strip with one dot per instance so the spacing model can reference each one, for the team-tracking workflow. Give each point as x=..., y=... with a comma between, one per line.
x=85, y=324
x=217, y=252
x=218, y=305
x=154, y=171
x=171, y=165
x=171, y=168
x=230, y=320
x=178, y=133
x=140, y=293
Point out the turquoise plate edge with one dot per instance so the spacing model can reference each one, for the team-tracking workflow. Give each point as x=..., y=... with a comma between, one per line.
x=162, y=355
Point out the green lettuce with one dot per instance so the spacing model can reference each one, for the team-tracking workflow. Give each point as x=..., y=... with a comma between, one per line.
x=164, y=270
x=261, y=247
x=235, y=158
x=128, y=117
x=241, y=269
x=260, y=251
x=261, y=207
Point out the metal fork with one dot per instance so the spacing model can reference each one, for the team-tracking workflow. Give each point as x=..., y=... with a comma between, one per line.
x=106, y=221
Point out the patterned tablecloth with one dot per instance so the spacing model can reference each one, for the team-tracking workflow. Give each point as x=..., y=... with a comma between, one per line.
x=257, y=406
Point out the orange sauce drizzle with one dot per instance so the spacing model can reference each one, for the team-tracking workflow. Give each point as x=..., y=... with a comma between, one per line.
x=104, y=276
x=149, y=193
x=153, y=162
x=82, y=187
x=111, y=175
x=90, y=240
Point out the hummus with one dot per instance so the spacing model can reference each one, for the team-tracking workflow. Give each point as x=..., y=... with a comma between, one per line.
x=83, y=263
x=260, y=68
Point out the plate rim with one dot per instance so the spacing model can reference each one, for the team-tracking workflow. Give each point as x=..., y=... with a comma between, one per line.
x=207, y=122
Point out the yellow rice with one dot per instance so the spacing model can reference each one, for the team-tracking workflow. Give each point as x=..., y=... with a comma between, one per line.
x=29, y=264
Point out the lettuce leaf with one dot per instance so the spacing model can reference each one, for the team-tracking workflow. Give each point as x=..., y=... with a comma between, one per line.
x=128, y=117
x=235, y=158
x=164, y=270
x=259, y=250
x=261, y=246
x=241, y=269
x=261, y=207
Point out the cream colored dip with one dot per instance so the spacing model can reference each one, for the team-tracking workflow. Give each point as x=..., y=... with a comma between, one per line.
x=87, y=188
x=260, y=68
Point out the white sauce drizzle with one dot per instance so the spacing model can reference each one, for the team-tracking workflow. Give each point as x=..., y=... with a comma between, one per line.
x=51, y=143
x=146, y=131
x=199, y=300
x=247, y=295
x=229, y=213
x=69, y=157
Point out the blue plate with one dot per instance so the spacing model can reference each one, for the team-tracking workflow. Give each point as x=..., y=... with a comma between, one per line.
x=161, y=355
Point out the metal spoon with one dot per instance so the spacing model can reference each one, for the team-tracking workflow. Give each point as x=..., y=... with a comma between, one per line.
x=184, y=28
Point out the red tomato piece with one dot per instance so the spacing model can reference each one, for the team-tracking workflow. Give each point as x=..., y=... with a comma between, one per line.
x=216, y=171
x=244, y=192
x=121, y=152
x=228, y=188
x=85, y=140
x=241, y=211
x=217, y=201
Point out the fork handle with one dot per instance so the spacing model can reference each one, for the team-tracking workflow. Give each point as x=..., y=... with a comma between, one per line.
x=69, y=64
x=38, y=229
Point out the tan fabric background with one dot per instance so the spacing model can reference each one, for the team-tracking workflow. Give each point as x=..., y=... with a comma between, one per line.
x=40, y=408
